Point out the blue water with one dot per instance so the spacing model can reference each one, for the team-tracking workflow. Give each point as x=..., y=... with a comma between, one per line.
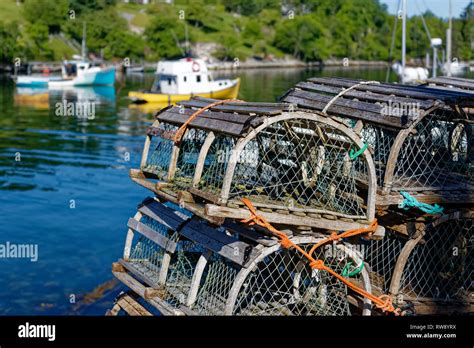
x=65, y=158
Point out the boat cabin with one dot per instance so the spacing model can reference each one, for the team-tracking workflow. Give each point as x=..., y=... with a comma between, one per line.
x=185, y=76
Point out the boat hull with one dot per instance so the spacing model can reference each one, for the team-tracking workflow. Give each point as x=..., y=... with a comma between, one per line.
x=35, y=81
x=103, y=77
x=148, y=97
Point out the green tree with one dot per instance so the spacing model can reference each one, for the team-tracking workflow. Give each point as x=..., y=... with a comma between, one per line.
x=10, y=45
x=165, y=33
x=107, y=32
x=51, y=13
x=304, y=37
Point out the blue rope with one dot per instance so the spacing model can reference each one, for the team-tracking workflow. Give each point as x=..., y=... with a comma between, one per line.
x=412, y=202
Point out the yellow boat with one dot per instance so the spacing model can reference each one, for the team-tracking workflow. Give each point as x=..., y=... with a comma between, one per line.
x=183, y=79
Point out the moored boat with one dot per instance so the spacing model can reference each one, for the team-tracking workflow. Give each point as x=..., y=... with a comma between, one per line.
x=185, y=78
x=84, y=73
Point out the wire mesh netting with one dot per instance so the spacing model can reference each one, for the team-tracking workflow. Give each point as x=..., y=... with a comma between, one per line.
x=188, y=155
x=219, y=277
x=145, y=255
x=436, y=154
x=215, y=164
x=380, y=141
x=301, y=163
x=284, y=284
x=161, y=146
x=381, y=256
x=441, y=265
x=180, y=273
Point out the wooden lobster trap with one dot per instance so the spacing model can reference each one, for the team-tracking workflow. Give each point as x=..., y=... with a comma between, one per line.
x=421, y=138
x=181, y=265
x=298, y=168
x=428, y=267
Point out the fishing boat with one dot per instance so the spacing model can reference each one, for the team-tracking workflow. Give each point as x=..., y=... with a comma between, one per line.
x=182, y=79
x=80, y=72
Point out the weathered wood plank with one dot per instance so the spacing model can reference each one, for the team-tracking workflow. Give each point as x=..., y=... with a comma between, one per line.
x=232, y=249
x=364, y=96
x=235, y=107
x=390, y=89
x=139, y=289
x=215, y=115
x=275, y=218
x=250, y=234
x=151, y=234
x=131, y=306
x=344, y=107
x=162, y=214
x=231, y=128
x=282, y=106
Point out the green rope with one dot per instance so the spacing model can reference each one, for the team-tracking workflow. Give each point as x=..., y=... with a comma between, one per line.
x=346, y=273
x=412, y=202
x=353, y=155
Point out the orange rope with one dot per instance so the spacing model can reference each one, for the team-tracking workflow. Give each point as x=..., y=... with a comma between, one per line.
x=180, y=132
x=383, y=302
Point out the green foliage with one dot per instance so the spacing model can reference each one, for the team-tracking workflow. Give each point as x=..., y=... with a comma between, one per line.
x=250, y=8
x=306, y=29
x=304, y=37
x=80, y=6
x=10, y=47
x=38, y=39
x=108, y=33
x=164, y=32
x=50, y=13
x=463, y=35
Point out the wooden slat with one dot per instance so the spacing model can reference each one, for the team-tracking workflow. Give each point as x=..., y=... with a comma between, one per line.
x=260, y=238
x=319, y=103
x=231, y=128
x=224, y=116
x=282, y=106
x=139, y=289
x=151, y=234
x=162, y=214
x=220, y=243
x=131, y=306
x=365, y=96
x=236, y=107
x=417, y=91
x=276, y=218
x=453, y=81
x=389, y=89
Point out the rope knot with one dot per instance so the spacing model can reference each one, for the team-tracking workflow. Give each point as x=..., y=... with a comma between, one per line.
x=387, y=305
x=317, y=264
x=286, y=243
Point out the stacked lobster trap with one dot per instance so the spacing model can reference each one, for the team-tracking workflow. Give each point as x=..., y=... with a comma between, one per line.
x=250, y=200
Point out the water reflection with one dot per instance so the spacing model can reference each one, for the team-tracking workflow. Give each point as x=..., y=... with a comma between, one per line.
x=44, y=98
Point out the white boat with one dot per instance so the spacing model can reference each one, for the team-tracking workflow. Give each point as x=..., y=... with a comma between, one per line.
x=410, y=74
x=184, y=78
x=457, y=68
x=83, y=73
